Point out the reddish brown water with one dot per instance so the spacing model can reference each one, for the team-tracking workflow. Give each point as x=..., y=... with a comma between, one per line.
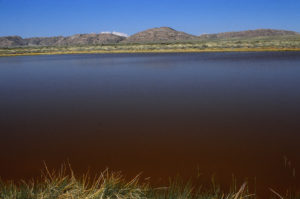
x=160, y=114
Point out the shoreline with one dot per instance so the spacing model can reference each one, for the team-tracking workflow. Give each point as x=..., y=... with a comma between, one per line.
x=219, y=50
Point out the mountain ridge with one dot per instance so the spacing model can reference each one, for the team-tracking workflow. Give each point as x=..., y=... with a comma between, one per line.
x=248, y=33
x=77, y=39
x=153, y=35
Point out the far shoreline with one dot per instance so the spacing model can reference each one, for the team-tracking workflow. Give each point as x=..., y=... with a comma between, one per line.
x=156, y=51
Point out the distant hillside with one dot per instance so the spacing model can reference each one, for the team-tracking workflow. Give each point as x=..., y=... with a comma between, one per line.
x=163, y=34
x=78, y=39
x=249, y=34
x=90, y=39
x=154, y=35
x=43, y=41
x=11, y=41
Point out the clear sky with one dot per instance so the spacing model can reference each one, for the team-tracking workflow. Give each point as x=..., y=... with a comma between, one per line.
x=29, y=18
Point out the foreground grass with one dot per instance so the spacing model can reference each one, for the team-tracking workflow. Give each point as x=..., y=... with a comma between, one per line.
x=109, y=185
x=283, y=43
x=112, y=185
x=63, y=184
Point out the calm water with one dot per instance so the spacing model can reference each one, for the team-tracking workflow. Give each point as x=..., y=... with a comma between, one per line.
x=163, y=114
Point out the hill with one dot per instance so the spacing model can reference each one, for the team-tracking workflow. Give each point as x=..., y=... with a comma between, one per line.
x=249, y=34
x=90, y=39
x=11, y=41
x=156, y=35
x=78, y=39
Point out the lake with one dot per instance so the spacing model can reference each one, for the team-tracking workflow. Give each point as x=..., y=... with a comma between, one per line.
x=218, y=114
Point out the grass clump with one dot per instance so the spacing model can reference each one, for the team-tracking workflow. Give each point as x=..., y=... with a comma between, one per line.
x=63, y=184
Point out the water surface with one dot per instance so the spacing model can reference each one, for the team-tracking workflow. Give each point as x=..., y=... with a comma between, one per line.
x=163, y=114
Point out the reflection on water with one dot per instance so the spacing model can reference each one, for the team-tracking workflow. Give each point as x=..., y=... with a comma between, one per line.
x=163, y=114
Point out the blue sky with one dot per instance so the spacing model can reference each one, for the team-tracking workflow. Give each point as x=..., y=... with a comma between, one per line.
x=29, y=18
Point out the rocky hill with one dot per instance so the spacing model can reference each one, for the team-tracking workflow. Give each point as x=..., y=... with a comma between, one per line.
x=78, y=39
x=11, y=41
x=154, y=35
x=249, y=34
x=43, y=41
x=90, y=39
x=163, y=34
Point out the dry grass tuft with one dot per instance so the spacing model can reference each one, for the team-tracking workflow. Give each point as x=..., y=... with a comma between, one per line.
x=64, y=184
